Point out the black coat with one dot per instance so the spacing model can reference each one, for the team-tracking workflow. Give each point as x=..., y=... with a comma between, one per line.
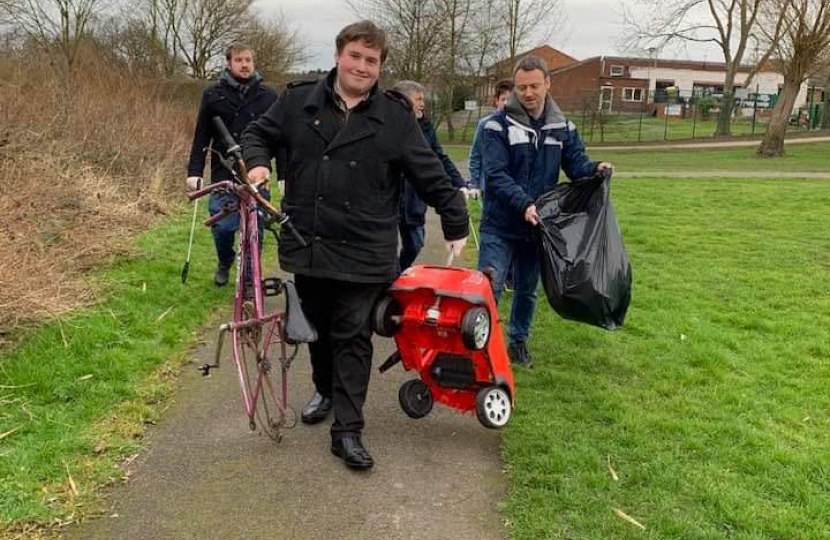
x=343, y=183
x=414, y=208
x=237, y=110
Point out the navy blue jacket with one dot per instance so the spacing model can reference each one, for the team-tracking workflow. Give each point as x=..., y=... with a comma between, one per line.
x=520, y=165
x=237, y=105
x=413, y=207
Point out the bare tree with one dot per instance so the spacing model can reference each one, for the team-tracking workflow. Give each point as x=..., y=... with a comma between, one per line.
x=727, y=23
x=527, y=21
x=53, y=24
x=278, y=48
x=800, y=53
x=414, y=30
x=201, y=29
x=457, y=16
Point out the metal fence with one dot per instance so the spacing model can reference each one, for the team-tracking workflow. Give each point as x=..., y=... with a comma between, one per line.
x=639, y=115
x=624, y=115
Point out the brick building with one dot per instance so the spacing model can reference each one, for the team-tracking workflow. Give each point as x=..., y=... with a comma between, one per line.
x=554, y=58
x=619, y=84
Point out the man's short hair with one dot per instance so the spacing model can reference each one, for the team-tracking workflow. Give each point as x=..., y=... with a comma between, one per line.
x=366, y=31
x=409, y=87
x=504, y=86
x=531, y=62
x=237, y=47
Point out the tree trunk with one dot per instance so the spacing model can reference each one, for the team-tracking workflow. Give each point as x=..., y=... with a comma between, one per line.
x=773, y=143
x=450, y=96
x=724, y=125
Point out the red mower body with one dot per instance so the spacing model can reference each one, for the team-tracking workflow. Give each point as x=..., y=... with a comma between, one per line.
x=445, y=323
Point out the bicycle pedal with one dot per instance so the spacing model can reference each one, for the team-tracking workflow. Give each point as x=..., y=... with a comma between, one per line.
x=271, y=286
x=205, y=369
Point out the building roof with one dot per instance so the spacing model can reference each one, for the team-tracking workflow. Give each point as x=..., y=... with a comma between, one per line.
x=695, y=65
x=554, y=58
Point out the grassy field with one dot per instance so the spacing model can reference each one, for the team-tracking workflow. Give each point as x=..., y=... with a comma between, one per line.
x=706, y=415
x=75, y=396
x=807, y=157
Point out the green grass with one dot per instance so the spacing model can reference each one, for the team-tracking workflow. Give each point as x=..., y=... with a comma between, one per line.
x=76, y=395
x=802, y=157
x=711, y=403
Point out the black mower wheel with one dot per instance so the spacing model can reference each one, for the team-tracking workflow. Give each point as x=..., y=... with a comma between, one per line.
x=415, y=398
x=385, y=310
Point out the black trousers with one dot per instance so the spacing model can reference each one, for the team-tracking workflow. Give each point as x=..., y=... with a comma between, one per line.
x=341, y=358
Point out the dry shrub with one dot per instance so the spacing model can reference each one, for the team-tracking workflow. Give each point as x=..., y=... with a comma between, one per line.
x=85, y=162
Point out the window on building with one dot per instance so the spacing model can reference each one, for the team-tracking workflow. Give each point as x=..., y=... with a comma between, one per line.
x=632, y=94
x=617, y=71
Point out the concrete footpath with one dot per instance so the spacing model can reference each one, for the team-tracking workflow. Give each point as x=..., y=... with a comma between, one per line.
x=204, y=475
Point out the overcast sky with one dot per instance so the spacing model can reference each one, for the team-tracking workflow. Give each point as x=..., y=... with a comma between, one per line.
x=591, y=29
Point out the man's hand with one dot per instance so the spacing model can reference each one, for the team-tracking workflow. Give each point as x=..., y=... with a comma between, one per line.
x=605, y=166
x=455, y=246
x=194, y=183
x=473, y=193
x=258, y=174
x=531, y=216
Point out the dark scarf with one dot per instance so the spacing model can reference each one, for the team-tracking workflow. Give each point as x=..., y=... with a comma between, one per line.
x=236, y=84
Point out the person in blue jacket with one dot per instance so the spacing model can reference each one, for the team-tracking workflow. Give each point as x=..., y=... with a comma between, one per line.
x=413, y=209
x=524, y=147
x=475, y=161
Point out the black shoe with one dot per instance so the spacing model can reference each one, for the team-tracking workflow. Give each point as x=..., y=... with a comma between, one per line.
x=221, y=275
x=352, y=452
x=317, y=409
x=519, y=355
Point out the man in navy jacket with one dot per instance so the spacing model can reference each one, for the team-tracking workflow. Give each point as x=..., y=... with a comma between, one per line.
x=524, y=147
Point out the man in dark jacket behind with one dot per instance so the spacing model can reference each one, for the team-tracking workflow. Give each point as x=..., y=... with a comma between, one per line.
x=348, y=144
x=413, y=209
x=524, y=146
x=238, y=98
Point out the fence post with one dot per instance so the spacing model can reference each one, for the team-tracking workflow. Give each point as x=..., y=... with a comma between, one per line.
x=666, y=123
x=754, y=109
x=694, y=114
x=640, y=128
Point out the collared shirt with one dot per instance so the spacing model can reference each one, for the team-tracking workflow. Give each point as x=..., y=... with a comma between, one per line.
x=341, y=103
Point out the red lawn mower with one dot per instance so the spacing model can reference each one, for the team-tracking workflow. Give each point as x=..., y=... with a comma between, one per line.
x=445, y=323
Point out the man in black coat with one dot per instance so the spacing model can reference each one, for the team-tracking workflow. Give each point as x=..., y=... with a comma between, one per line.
x=348, y=144
x=413, y=209
x=238, y=98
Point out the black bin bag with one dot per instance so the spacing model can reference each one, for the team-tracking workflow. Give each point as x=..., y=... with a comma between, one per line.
x=585, y=268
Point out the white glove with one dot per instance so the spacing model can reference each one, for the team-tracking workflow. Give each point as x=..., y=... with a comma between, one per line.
x=473, y=193
x=194, y=183
x=455, y=246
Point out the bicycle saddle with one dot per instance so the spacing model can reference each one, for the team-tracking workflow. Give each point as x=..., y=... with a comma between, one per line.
x=298, y=329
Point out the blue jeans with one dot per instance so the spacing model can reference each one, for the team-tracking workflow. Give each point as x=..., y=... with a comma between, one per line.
x=497, y=254
x=412, y=242
x=224, y=232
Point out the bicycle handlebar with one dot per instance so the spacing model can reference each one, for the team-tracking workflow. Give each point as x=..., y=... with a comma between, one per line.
x=233, y=149
x=231, y=146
